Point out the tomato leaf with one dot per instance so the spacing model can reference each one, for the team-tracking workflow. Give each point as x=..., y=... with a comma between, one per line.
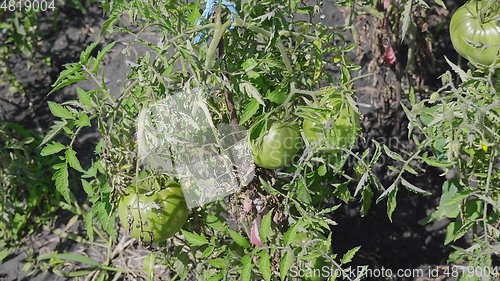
x=440, y=3
x=347, y=258
x=392, y=154
x=60, y=178
x=286, y=262
x=463, y=76
x=73, y=160
x=250, y=110
x=391, y=203
x=265, y=226
x=252, y=92
x=194, y=239
x=367, y=199
x=414, y=188
x=60, y=111
x=240, y=240
x=246, y=268
x=83, y=120
x=52, y=148
x=456, y=230
x=265, y=265
x=84, y=98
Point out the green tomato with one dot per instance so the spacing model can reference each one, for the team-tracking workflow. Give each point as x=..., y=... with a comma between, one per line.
x=278, y=147
x=155, y=217
x=474, y=38
x=336, y=130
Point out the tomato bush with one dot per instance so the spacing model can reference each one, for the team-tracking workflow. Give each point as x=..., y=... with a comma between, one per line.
x=153, y=217
x=475, y=31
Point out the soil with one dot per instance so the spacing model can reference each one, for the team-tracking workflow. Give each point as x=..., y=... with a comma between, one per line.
x=401, y=244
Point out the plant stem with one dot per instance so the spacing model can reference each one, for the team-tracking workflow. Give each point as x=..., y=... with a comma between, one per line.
x=219, y=32
x=485, y=209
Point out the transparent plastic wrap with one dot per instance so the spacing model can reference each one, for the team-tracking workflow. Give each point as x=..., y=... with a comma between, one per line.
x=176, y=136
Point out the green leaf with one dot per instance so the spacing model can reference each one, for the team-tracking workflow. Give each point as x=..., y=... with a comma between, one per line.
x=218, y=263
x=286, y=262
x=60, y=111
x=246, y=268
x=440, y=3
x=104, y=51
x=73, y=160
x=85, y=98
x=456, y=230
x=322, y=170
x=342, y=192
x=52, y=148
x=88, y=188
x=149, y=266
x=250, y=110
x=68, y=81
x=265, y=265
x=54, y=130
x=79, y=273
x=367, y=199
x=277, y=96
x=215, y=222
x=103, y=276
x=240, y=240
x=71, y=257
x=216, y=277
x=361, y=183
x=83, y=120
x=5, y=253
x=84, y=56
x=391, y=203
x=194, y=13
x=291, y=234
x=406, y=18
x=207, y=252
x=463, y=76
x=88, y=221
x=410, y=170
x=434, y=163
x=451, y=200
x=265, y=226
x=347, y=258
x=252, y=92
x=414, y=188
x=194, y=240
x=392, y=154
x=60, y=178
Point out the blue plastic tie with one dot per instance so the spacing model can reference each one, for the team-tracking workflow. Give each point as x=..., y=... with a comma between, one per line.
x=209, y=12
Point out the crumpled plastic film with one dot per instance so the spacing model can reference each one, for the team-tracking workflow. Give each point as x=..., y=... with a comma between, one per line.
x=176, y=136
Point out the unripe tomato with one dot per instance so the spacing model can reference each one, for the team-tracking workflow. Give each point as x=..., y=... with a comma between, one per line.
x=277, y=147
x=476, y=35
x=155, y=217
x=339, y=128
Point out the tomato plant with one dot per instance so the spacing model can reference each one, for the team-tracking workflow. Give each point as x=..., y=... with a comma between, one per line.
x=153, y=217
x=256, y=63
x=277, y=147
x=475, y=31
